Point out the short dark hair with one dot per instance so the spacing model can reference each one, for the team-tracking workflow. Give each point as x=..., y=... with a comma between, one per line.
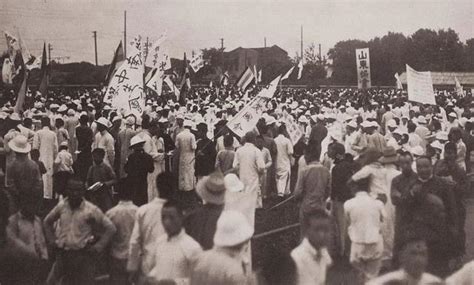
x=450, y=146
x=174, y=204
x=411, y=127
x=99, y=151
x=338, y=148
x=406, y=153
x=424, y=157
x=164, y=184
x=314, y=214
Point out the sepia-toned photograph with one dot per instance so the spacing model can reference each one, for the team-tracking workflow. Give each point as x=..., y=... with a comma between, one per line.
x=237, y=142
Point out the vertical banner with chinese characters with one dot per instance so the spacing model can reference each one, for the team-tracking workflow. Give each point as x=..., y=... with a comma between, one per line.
x=420, y=86
x=125, y=91
x=247, y=118
x=363, y=68
x=197, y=62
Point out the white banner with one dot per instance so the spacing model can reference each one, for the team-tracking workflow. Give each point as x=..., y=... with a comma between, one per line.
x=125, y=91
x=420, y=86
x=158, y=56
x=156, y=81
x=293, y=129
x=247, y=118
x=197, y=62
x=363, y=68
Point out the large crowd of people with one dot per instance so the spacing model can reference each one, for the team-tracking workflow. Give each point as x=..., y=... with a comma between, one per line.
x=169, y=197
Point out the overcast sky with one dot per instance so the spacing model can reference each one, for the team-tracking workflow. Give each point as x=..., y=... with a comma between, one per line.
x=196, y=24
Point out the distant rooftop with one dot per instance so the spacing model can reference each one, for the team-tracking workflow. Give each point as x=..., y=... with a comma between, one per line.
x=447, y=78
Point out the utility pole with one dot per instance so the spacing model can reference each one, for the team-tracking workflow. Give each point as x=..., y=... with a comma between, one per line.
x=125, y=33
x=50, y=48
x=265, y=42
x=95, y=47
x=222, y=53
x=320, y=58
x=301, y=51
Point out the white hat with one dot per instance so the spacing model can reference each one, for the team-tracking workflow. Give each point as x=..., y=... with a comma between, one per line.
x=163, y=120
x=179, y=116
x=352, y=124
x=452, y=114
x=136, y=140
x=366, y=124
x=392, y=123
x=232, y=229
x=71, y=112
x=320, y=117
x=117, y=118
x=212, y=188
x=437, y=144
x=15, y=117
x=53, y=106
x=64, y=143
x=106, y=107
x=104, y=122
x=63, y=108
x=442, y=136
x=463, y=121
x=130, y=121
x=417, y=150
x=374, y=124
x=233, y=183
x=270, y=120
x=398, y=131
x=421, y=120
x=303, y=119
x=20, y=144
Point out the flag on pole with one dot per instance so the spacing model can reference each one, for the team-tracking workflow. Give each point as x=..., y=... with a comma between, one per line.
x=171, y=85
x=20, y=99
x=259, y=78
x=224, y=79
x=246, y=119
x=197, y=62
x=158, y=56
x=43, y=87
x=287, y=75
x=7, y=71
x=185, y=82
x=245, y=79
x=459, y=89
x=19, y=82
x=399, y=82
x=300, y=69
x=125, y=91
x=156, y=81
x=119, y=58
x=255, y=74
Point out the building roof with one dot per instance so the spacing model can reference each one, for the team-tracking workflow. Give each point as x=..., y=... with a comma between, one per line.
x=260, y=49
x=446, y=78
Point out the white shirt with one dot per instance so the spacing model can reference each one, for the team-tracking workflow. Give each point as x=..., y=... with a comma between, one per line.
x=146, y=230
x=175, y=257
x=464, y=276
x=249, y=162
x=311, y=265
x=364, y=216
x=401, y=276
x=123, y=217
x=284, y=152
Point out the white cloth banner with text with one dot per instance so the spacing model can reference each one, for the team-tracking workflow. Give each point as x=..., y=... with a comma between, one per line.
x=420, y=86
x=363, y=68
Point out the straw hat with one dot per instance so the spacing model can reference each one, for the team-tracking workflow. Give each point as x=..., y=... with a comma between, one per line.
x=232, y=229
x=389, y=156
x=136, y=140
x=233, y=184
x=20, y=144
x=212, y=188
x=104, y=122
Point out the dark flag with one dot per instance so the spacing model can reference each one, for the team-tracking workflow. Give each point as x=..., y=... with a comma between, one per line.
x=43, y=87
x=19, y=82
x=185, y=83
x=119, y=58
x=245, y=79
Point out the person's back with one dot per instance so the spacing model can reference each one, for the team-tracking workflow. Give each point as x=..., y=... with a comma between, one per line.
x=201, y=223
x=313, y=186
x=249, y=163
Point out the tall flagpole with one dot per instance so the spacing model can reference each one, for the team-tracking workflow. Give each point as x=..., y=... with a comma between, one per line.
x=125, y=33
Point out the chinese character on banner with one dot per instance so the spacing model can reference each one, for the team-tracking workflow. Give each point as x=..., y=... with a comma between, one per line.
x=363, y=68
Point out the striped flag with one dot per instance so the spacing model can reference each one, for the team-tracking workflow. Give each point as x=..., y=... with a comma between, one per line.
x=19, y=83
x=119, y=58
x=173, y=87
x=287, y=75
x=245, y=79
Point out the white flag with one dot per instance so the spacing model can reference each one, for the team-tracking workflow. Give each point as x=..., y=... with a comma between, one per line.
x=158, y=56
x=247, y=118
x=259, y=78
x=399, y=82
x=420, y=86
x=173, y=87
x=459, y=89
x=288, y=73
x=255, y=74
x=197, y=62
x=300, y=69
x=125, y=90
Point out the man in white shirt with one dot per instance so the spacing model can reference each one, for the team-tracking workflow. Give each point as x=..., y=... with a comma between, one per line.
x=283, y=162
x=146, y=230
x=176, y=251
x=414, y=260
x=104, y=140
x=364, y=215
x=311, y=256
